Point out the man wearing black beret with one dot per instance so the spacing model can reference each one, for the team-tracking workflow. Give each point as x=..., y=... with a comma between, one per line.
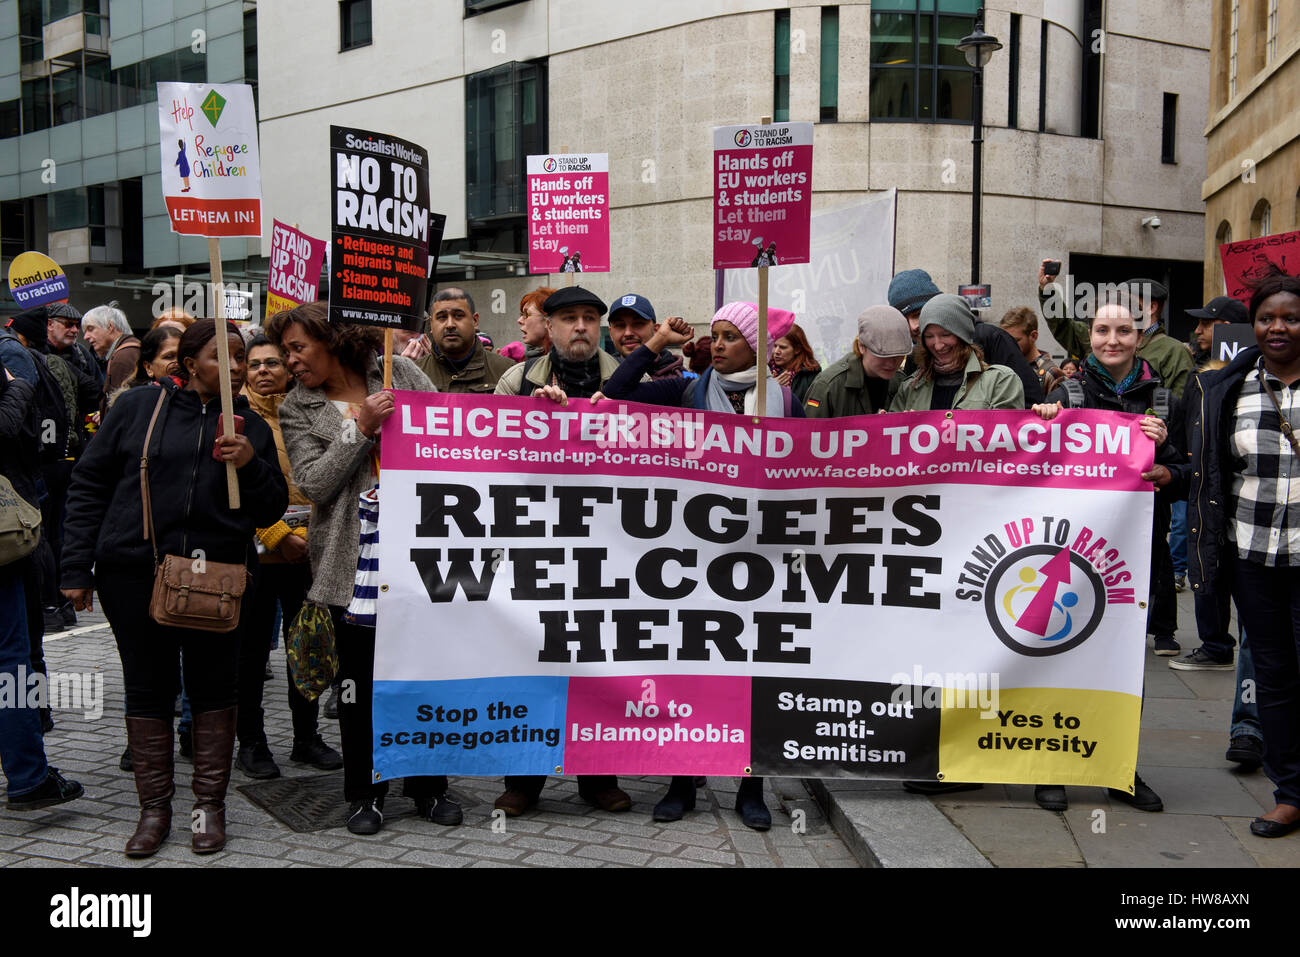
x=575, y=363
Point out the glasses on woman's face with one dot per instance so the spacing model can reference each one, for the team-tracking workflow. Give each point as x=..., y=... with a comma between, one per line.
x=271, y=365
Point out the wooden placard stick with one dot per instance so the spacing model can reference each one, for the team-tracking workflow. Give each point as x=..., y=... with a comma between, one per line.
x=760, y=395
x=388, y=358
x=223, y=360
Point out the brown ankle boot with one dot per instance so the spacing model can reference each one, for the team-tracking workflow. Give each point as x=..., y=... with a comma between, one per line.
x=150, y=740
x=214, y=743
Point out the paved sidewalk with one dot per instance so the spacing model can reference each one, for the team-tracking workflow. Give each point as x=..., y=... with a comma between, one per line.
x=563, y=831
x=1208, y=803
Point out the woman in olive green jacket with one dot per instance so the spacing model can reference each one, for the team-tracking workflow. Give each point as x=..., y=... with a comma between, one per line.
x=951, y=372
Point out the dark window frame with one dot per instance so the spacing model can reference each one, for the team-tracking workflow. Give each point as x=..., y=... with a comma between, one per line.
x=347, y=26
x=781, y=80
x=1169, y=130
x=1013, y=74
x=1042, y=77
x=496, y=189
x=829, y=75
x=931, y=70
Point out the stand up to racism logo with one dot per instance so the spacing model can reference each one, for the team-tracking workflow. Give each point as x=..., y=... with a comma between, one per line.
x=1045, y=586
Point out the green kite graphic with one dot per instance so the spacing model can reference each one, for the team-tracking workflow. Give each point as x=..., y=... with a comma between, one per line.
x=212, y=106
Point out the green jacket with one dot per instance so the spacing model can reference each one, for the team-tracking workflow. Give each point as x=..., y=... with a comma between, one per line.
x=841, y=389
x=481, y=374
x=997, y=387
x=1167, y=356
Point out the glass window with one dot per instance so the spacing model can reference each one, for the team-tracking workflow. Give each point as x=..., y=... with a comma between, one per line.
x=11, y=123
x=15, y=218
x=1272, y=32
x=66, y=88
x=781, y=69
x=31, y=32
x=126, y=83
x=69, y=209
x=191, y=67
x=954, y=91
x=893, y=42
x=354, y=24
x=951, y=31
x=99, y=86
x=36, y=105
x=250, y=47
x=1169, y=129
x=830, y=64
x=1013, y=79
x=915, y=61
x=505, y=121
x=1261, y=220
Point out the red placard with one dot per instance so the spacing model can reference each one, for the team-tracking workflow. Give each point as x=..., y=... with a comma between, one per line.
x=1247, y=262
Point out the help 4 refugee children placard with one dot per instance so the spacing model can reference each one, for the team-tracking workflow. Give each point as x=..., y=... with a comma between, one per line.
x=211, y=174
x=568, y=213
x=762, y=195
x=615, y=588
x=380, y=238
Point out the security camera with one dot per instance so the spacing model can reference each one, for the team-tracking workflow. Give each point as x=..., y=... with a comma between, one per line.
x=1151, y=222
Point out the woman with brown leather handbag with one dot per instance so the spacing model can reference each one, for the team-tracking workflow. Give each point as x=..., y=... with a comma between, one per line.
x=148, y=513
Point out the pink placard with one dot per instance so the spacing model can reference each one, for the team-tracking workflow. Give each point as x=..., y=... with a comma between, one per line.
x=568, y=213
x=294, y=276
x=657, y=724
x=762, y=195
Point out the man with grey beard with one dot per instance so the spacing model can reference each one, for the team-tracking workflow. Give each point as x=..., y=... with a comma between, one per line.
x=578, y=366
x=575, y=363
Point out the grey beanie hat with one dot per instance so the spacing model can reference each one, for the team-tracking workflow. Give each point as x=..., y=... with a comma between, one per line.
x=951, y=313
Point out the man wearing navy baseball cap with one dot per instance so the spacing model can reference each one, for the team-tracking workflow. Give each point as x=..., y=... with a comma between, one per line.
x=632, y=322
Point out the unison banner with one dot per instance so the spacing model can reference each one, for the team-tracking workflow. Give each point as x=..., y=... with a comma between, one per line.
x=617, y=588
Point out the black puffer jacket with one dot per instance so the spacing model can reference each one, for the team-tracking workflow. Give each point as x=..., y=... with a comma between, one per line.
x=104, y=520
x=19, y=436
x=1204, y=477
x=1136, y=401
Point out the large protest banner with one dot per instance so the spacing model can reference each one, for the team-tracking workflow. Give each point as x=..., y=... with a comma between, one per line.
x=1248, y=261
x=568, y=213
x=380, y=237
x=627, y=589
x=762, y=194
x=211, y=175
x=851, y=264
x=294, y=273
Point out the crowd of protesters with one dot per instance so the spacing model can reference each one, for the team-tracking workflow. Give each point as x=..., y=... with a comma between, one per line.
x=135, y=466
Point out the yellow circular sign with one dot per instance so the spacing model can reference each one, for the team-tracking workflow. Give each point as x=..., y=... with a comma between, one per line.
x=35, y=279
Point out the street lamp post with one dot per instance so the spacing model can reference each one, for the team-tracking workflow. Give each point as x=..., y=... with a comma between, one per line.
x=979, y=48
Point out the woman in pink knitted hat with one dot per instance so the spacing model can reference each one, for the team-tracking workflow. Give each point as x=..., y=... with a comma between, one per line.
x=729, y=384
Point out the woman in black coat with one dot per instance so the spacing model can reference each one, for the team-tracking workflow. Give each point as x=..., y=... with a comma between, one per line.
x=105, y=548
x=1239, y=478
x=1114, y=378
